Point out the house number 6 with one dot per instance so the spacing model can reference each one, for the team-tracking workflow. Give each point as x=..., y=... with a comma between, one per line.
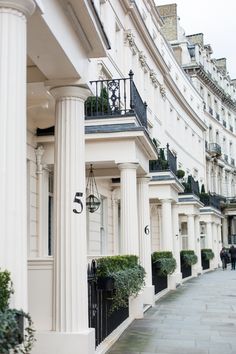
x=78, y=200
x=146, y=230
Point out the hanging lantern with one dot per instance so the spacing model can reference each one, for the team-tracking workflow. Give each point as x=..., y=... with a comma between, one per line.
x=92, y=201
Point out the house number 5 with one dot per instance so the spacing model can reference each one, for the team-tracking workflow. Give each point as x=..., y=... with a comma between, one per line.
x=78, y=200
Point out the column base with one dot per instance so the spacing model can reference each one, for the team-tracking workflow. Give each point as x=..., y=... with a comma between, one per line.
x=174, y=280
x=136, y=306
x=148, y=295
x=65, y=343
x=197, y=270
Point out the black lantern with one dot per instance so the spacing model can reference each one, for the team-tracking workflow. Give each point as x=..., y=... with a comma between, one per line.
x=92, y=201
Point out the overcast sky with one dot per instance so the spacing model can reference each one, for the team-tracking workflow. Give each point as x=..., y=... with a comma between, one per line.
x=217, y=20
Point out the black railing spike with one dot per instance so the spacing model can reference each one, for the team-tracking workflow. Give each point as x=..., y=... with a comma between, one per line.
x=131, y=74
x=167, y=145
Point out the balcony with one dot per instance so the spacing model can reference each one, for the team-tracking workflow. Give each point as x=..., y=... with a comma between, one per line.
x=211, y=111
x=232, y=162
x=213, y=149
x=166, y=161
x=115, y=98
x=224, y=123
x=191, y=186
x=218, y=116
x=226, y=158
x=212, y=199
x=231, y=128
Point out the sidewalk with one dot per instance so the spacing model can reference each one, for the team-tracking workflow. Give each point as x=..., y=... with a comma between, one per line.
x=197, y=318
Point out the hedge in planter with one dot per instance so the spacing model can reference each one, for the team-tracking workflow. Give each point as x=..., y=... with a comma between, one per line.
x=13, y=336
x=166, y=263
x=207, y=254
x=188, y=257
x=128, y=277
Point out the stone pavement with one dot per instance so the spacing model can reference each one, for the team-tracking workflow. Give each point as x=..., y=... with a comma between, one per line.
x=197, y=318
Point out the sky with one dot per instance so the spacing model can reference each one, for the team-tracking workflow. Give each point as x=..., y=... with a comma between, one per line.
x=216, y=20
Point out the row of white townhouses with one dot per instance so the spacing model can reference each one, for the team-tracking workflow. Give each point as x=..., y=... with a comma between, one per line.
x=120, y=100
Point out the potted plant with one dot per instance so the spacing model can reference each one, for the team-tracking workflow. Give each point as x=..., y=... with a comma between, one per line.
x=97, y=105
x=188, y=257
x=128, y=277
x=180, y=174
x=13, y=335
x=164, y=262
x=207, y=254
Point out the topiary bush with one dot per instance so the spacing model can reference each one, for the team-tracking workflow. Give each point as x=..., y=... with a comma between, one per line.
x=165, y=261
x=188, y=257
x=180, y=174
x=207, y=254
x=128, y=275
x=6, y=289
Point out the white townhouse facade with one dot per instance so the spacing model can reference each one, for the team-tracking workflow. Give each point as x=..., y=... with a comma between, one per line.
x=151, y=122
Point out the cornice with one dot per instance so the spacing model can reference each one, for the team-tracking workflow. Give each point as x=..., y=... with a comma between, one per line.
x=199, y=71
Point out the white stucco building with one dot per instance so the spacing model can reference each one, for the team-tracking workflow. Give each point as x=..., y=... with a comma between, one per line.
x=54, y=55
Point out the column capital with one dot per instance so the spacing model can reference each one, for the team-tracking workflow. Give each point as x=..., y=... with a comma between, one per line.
x=63, y=92
x=26, y=7
x=128, y=165
x=143, y=179
x=166, y=201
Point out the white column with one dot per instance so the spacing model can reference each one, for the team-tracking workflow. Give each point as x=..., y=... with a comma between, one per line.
x=71, y=297
x=176, y=277
x=167, y=232
x=219, y=244
x=191, y=232
x=129, y=213
x=145, y=236
x=42, y=189
x=215, y=244
x=209, y=235
x=198, y=265
x=225, y=231
x=13, y=213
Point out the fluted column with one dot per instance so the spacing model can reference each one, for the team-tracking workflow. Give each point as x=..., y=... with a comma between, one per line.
x=198, y=265
x=167, y=231
x=225, y=230
x=191, y=232
x=209, y=235
x=42, y=190
x=13, y=213
x=215, y=244
x=219, y=244
x=71, y=298
x=145, y=236
x=129, y=213
x=177, y=275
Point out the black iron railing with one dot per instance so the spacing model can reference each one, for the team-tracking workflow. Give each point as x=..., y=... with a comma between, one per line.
x=224, y=123
x=99, y=308
x=231, y=128
x=218, y=116
x=226, y=158
x=211, y=199
x=191, y=186
x=210, y=110
x=116, y=97
x=166, y=161
x=232, y=162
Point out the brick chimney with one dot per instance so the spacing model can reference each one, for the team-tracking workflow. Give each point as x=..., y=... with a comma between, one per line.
x=169, y=16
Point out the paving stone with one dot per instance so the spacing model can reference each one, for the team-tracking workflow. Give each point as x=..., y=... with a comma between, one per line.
x=198, y=318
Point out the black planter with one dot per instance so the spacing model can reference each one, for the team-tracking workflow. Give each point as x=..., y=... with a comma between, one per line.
x=106, y=283
x=186, y=269
x=158, y=280
x=20, y=322
x=205, y=263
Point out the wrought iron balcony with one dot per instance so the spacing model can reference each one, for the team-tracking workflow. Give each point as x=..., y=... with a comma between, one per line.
x=231, y=128
x=226, y=158
x=166, y=161
x=218, y=116
x=116, y=97
x=211, y=111
x=212, y=199
x=213, y=149
x=232, y=162
x=191, y=186
x=224, y=123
